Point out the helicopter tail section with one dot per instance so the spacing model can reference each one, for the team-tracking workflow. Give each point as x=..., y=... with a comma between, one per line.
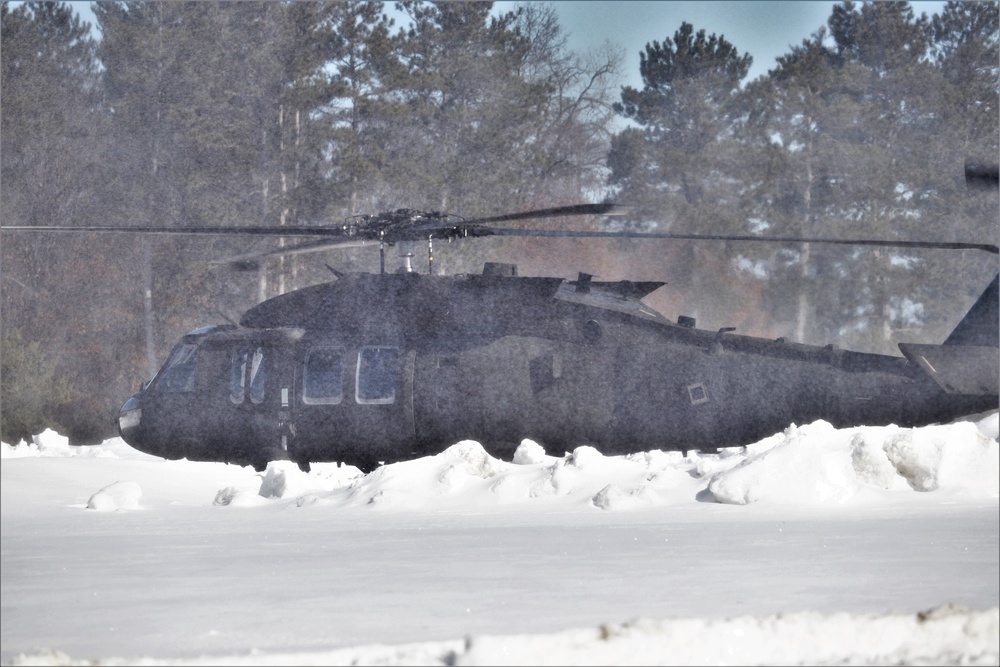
x=981, y=325
x=968, y=362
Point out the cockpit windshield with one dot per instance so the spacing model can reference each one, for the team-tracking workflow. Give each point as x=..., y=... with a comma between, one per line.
x=177, y=375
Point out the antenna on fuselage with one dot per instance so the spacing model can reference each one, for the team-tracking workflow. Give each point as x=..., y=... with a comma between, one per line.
x=381, y=251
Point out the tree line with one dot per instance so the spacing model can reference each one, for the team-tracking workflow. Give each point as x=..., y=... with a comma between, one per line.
x=278, y=113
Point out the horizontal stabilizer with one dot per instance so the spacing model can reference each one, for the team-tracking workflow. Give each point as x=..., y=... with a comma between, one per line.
x=958, y=369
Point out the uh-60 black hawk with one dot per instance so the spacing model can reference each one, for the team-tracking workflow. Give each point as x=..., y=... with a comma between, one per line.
x=373, y=368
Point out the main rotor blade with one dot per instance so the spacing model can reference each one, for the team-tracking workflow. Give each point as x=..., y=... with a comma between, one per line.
x=944, y=245
x=354, y=235
x=297, y=249
x=298, y=230
x=391, y=227
x=242, y=230
x=559, y=211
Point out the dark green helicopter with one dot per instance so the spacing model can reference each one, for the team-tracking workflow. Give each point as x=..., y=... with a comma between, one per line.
x=380, y=367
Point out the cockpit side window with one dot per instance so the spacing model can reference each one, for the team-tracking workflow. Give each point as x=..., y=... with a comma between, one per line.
x=378, y=368
x=178, y=373
x=323, y=376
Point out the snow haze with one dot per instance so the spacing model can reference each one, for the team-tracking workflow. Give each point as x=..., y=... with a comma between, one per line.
x=873, y=545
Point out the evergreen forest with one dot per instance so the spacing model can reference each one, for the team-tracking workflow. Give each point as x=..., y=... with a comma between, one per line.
x=298, y=113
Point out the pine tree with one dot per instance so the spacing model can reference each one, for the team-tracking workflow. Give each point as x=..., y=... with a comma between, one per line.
x=966, y=50
x=679, y=165
x=463, y=106
x=787, y=186
x=687, y=111
x=892, y=167
x=358, y=111
x=53, y=161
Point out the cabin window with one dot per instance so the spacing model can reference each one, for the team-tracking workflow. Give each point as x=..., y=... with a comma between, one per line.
x=697, y=393
x=257, y=376
x=178, y=373
x=237, y=377
x=544, y=371
x=377, y=370
x=323, y=377
x=247, y=370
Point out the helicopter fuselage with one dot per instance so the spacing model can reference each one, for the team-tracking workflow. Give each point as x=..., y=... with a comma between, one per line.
x=376, y=368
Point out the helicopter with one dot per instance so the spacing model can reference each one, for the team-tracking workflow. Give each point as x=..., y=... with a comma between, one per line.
x=374, y=368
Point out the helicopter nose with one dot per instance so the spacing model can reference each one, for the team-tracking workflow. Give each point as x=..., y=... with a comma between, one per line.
x=130, y=421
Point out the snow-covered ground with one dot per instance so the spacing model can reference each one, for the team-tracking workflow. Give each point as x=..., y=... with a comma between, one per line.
x=814, y=546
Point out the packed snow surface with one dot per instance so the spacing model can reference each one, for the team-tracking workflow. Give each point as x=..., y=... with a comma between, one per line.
x=871, y=545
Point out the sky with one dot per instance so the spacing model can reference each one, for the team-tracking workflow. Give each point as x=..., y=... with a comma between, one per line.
x=765, y=30
x=816, y=545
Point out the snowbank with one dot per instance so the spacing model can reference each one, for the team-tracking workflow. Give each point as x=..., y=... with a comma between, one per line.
x=813, y=464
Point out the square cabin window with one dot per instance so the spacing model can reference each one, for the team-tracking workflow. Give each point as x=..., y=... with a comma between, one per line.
x=697, y=393
x=323, y=377
x=378, y=368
